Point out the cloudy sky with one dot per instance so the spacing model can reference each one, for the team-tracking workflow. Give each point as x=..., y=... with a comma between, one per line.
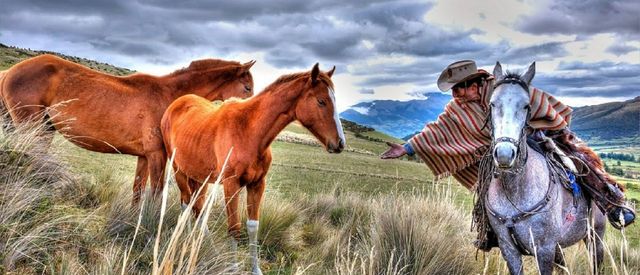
x=587, y=52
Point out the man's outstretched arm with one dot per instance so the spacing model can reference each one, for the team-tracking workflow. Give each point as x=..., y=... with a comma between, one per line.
x=397, y=150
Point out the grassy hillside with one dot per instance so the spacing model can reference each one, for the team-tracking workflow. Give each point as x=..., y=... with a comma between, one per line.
x=66, y=210
x=608, y=121
x=10, y=56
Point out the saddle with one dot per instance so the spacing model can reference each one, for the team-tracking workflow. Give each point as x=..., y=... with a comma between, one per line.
x=578, y=158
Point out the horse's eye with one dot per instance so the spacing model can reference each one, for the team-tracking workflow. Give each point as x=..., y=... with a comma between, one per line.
x=527, y=107
x=322, y=102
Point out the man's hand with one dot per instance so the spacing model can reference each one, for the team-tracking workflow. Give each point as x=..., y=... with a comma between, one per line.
x=395, y=151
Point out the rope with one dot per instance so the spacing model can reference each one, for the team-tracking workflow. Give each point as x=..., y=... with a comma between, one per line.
x=480, y=220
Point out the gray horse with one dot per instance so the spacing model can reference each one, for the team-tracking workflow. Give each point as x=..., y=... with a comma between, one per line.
x=528, y=208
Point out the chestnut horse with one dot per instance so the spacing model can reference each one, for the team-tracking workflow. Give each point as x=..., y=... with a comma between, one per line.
x=109, y=114
x=202, y=135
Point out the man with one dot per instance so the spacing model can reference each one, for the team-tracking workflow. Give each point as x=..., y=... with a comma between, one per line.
x=448, y=146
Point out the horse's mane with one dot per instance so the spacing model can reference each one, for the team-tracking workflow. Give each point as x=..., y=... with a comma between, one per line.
x=219, y=103
x=206, y=64
x=512, y=74
x=294, y=76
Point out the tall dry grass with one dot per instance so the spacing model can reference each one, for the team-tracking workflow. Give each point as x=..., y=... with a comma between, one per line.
x=57, y=222
x=391, y=234
x=33, y=183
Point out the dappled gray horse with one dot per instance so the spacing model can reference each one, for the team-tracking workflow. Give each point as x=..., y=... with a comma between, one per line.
x=527, y=206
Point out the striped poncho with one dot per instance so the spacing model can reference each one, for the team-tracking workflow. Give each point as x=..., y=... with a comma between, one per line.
x=448, y=145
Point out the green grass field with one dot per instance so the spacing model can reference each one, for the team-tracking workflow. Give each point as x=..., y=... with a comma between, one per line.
x=631, y=168
x=303, y=169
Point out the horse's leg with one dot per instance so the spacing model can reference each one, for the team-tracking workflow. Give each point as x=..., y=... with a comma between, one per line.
x=511, y=255
x=254, y=198
x=49, y=130
x=231, y=194
x=142, y=173
x=157, y=161
x=35, y=116
x=185, y=190
x=545, y=256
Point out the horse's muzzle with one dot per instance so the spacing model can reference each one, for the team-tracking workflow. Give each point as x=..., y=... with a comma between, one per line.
x=504, y=154
x=335, y=147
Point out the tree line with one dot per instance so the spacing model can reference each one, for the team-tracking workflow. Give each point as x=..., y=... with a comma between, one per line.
x=620, y=156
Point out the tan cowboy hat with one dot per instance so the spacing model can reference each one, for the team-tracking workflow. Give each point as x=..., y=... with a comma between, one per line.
x=457, y=72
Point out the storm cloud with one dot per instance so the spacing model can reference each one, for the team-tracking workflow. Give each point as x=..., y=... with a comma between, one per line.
x=585, y=17
x=353, y=35
x=603, y=79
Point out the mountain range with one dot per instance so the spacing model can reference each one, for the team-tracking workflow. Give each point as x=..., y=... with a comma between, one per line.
x=403, y=119
x=398, y=118
x=607, y=121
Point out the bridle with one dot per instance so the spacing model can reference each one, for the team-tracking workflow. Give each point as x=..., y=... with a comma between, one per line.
x=525, y=128
x=511, y=80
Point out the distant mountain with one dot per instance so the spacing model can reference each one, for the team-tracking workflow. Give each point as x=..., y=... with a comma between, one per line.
x=10, y=56
x=398, y=118
x=402, y=119
x=607, y=121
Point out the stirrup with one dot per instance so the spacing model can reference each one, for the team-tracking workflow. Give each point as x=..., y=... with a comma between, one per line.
x=621, y=216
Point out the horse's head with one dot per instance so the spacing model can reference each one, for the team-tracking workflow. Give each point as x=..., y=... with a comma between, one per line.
x=216, y=79
x=239, y=82
x=316, y=110
x=510, y=112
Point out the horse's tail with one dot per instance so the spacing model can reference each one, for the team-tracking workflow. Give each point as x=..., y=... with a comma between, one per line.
x=165, y=130
x=5, y=117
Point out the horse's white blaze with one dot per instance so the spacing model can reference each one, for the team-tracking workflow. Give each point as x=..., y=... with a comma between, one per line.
x=336, y=117
x=511, y=120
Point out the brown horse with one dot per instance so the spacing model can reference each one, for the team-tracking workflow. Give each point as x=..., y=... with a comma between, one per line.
x=110, y=114
x=202, y=135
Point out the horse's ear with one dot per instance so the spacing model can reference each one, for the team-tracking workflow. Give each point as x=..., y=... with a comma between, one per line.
x=315, y=72
x=330, y=72
x=531, y=72
x=497, y=70
x=244, y=68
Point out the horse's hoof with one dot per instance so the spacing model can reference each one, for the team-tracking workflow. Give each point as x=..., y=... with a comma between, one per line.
x=256, y=271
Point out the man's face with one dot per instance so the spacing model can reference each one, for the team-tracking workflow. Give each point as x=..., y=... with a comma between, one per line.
x=465, y=91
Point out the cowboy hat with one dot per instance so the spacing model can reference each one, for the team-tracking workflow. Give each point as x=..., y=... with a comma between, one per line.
x=457, y=72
